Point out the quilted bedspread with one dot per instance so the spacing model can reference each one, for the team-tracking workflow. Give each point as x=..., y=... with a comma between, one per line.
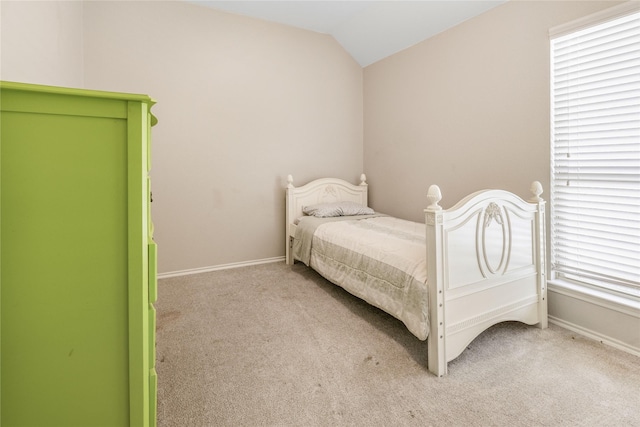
x=380, y=259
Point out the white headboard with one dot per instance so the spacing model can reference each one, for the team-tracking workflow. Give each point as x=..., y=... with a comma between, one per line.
x=324, y=190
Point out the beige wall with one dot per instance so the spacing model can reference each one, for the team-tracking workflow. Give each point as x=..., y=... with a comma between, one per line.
x=467, y=109
x=41, y=42
x=241, y=104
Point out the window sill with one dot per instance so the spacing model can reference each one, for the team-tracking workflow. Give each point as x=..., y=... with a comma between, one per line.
x=626, y=304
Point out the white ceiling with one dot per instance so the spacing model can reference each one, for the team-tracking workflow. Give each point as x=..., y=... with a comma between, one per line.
x=368, y=30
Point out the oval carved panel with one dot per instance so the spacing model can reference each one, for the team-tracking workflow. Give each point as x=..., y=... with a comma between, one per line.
x=494, y=238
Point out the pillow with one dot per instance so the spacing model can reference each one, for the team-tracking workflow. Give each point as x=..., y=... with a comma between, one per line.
x=326, y=210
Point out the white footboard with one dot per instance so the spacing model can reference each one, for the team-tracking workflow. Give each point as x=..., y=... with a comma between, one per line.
x=485, y=265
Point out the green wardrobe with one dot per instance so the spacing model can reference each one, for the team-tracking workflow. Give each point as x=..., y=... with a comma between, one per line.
x=78, y=263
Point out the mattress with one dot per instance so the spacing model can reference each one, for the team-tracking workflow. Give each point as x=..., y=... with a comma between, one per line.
x=378, y=258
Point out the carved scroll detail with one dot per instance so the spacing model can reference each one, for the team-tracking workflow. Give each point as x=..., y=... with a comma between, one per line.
x=433, y=219
x=492, y=212
x=328, y=195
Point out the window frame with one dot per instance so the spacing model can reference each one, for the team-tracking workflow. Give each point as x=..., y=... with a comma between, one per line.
x=625, y=296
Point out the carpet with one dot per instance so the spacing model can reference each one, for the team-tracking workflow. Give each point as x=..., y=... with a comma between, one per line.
x=278, y=345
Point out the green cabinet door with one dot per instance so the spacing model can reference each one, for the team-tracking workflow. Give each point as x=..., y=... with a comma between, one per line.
x=75, y=308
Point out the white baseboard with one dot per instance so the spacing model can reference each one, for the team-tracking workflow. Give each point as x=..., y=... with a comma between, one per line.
x=219, y=267
x=595, y=335
x=608, y=317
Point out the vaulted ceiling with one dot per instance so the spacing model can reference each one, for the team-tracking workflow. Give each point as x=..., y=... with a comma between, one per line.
x=368, y=30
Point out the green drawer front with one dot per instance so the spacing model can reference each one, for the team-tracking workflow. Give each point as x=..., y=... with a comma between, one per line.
x=153, y=397
x=153, y=273
x=152, y=336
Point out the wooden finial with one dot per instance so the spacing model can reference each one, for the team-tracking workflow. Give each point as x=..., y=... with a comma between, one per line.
x=434, y=195
x=536, y=189
x=290, y=181
x=363, y=179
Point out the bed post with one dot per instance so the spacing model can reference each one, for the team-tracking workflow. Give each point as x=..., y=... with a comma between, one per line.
x=363, y=183
x=436, y=343
x=289, y=204
x=540, y=255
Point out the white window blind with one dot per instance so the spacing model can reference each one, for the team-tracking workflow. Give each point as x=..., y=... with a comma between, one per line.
x=595, y=158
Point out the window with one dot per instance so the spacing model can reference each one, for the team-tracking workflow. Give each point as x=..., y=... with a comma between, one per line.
x=595, y=154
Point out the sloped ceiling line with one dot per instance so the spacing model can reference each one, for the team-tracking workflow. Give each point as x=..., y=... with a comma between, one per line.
x=368, y=30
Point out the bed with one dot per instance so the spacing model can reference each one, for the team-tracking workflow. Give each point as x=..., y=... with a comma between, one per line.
x=448, y=279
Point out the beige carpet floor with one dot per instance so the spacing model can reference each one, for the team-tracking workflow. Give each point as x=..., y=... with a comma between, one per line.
x=275, y=345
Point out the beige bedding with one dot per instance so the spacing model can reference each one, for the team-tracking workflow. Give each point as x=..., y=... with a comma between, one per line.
x=378, y=258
